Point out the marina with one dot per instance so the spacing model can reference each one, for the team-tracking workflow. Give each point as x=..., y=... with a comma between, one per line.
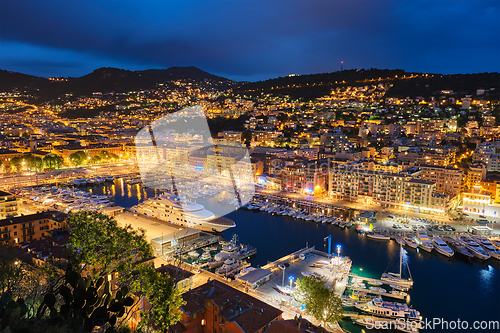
x=280, y=235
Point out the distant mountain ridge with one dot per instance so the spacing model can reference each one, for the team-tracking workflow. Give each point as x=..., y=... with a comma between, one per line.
x=105, y=79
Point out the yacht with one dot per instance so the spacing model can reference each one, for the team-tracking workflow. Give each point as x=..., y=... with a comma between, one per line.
x=442, y=247
x=474, y=247
x=381, y=308
x=489, y=247
x=374, y=235
x=424, y=242
x=458, y=247
x=182, y=212
x=228, y=266
x=411, y=242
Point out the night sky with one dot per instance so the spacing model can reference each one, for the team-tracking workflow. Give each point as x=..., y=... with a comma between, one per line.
x=249, y=40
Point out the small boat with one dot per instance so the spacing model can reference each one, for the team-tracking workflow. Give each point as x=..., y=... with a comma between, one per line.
x=374, y=235
x=398, y=287
x=399, y=293
x=378, y=290
x=206, y=256
x=302, y=256
x=312, y=274
x=396, y=278
x=375, y=283
x=193, y=254
x=284, y=289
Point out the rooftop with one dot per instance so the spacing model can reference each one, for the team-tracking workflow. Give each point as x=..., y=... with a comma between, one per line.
x=55, y=216
x=246, y=311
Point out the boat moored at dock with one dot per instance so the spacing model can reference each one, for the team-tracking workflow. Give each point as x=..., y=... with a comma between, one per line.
x=441, y=246
x=378, y=307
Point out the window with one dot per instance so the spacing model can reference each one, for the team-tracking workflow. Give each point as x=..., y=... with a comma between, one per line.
x=194, y=316
x=194, y=327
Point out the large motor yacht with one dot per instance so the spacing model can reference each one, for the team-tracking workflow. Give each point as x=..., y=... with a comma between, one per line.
x=182, y=212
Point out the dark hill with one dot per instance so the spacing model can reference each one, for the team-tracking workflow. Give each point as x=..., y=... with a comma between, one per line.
x=106, y=79
x=316, y=85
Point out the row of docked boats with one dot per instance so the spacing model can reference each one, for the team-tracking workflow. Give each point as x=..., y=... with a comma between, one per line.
x=299, y=213
x=68, y=199
x=467, y=246
x=89, y=181
x=232, y=250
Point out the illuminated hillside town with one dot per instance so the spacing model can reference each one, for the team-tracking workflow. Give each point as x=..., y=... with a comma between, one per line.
x=222, y=167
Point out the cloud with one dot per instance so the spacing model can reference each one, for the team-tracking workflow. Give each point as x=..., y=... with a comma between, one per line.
x=262, y=38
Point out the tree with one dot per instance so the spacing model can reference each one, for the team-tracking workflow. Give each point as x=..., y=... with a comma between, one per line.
x=77, y=158
x=320, y=302
x=53, y=161
x=100, y=246
x=21, y=279
x=161, y=292
x=16, y=162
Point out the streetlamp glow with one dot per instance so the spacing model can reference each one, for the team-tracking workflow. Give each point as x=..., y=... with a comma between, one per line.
x=291, y=278
x=338, y=250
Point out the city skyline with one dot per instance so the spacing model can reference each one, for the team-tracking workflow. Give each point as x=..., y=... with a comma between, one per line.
x=250, y=41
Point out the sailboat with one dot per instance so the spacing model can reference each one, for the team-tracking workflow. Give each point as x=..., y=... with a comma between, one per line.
x=396, y=278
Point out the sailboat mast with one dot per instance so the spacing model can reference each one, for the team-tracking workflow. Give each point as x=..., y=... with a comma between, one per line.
x=400, y=259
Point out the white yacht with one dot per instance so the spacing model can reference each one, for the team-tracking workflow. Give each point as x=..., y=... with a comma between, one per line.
x=442, y=247
x=489, y=247
x=424, y=242
x=182, y=212
x=389, y=310
x=474, y=247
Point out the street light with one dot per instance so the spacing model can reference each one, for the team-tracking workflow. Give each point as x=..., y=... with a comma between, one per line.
x=291, y=278
x=338, y=250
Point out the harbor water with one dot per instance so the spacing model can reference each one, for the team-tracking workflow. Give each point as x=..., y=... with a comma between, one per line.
x=446, y=288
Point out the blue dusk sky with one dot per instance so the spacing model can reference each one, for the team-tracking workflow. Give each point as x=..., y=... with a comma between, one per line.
x=249, y=40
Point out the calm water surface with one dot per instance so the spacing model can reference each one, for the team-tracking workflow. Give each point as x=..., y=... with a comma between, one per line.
x=447, y=288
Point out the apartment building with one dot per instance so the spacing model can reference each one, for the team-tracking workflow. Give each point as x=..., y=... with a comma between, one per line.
x=26, y=228
x=477, y=201
x=489, y=154
x=8, y=205
x=475, y=175
x=448, y=180
x=392, y=190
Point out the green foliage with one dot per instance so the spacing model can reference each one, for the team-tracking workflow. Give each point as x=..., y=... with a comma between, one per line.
x=11, y=311
x=78, y=158
x=53, y=161
x=321, y=303
x=86, y=302
x=161, y=292
x=101, y=246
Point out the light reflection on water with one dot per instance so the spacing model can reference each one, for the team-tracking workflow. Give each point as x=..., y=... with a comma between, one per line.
x=448, y=288
x=486, y=277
